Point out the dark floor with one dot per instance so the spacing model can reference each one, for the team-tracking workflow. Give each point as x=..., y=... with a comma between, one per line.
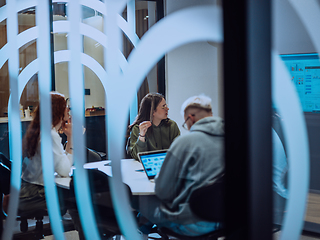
x=312, y=215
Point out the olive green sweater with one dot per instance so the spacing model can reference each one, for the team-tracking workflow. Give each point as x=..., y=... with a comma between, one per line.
x=160, y=137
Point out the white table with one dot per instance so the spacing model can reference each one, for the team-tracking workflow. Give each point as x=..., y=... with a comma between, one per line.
x=63, y=182
x=136, y=180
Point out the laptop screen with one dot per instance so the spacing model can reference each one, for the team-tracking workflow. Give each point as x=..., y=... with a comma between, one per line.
x=152, y=162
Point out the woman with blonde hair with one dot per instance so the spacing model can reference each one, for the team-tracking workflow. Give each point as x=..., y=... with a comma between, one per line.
x=152, y=129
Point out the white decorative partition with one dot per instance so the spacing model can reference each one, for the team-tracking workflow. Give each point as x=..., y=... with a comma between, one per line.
x=169, y=33
x=294, y=126
x=121, y=78
x=14, y=115
x=297, y=146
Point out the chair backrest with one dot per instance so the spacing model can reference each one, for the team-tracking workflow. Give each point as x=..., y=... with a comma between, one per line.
x=5, y=160
x=127, y=150
x=93, y=156
x=99, y=183
x=101, y=200
x=208, y=202
x=5, y=168
x=5, y=174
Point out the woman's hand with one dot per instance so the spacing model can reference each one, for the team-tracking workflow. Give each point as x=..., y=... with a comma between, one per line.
x=143, y=127
x=67, y=128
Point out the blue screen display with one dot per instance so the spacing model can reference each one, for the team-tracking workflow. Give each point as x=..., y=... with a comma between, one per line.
x=152, y=163
x=305, y=75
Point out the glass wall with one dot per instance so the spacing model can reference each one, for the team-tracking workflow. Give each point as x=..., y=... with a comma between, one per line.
x=94, y=90
x=106, y=56
x=294, y=41
x=135, y=20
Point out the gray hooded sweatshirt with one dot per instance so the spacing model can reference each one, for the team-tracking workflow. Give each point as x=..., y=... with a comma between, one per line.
x=193, y=161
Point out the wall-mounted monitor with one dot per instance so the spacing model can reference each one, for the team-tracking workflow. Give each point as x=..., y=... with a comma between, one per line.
x=305, y=74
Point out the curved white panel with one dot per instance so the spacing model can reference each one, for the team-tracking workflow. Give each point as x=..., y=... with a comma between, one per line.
x=14, y=124
x=128, y=31
x=4, y=55
x=294, y=129
x=63, y=26
x=44, y=83
x=27, y=36
x=122, y=23
x=94, y=4
x=309, y=13
x=25, y=75
x=22, y=39
x=20, y=5
x=59, y=56
x=88, y=61
x=3, y=13
x=204, y=25
x=173, y=31
x=131, y=15
x=115, y=104
x=76, y=86
x=91, y=32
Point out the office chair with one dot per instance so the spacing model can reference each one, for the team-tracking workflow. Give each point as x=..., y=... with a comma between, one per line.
x=5, y=173
x=127, y=150
x=38, y=215
x=93, y=156
x=5, y=160
x=23, y=216
x=5, y=166
x=166, y=232
x=102, y=204
x=208, y=204
x=29, y=214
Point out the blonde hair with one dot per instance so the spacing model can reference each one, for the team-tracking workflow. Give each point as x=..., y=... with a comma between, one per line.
x=200, y=101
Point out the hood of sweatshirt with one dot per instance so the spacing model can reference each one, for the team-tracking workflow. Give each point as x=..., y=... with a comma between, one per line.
x=209, y=125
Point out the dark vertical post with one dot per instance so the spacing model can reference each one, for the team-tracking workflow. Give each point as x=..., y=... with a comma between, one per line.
x=53, y=82
x=247, y=98
x=161, y=63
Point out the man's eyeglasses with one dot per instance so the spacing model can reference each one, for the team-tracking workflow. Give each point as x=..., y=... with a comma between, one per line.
x=184, y=125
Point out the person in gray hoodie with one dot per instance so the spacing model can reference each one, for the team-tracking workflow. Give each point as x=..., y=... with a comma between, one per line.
x=193, y=160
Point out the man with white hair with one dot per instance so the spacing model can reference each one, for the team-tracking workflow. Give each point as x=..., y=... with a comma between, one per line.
x=193, y=160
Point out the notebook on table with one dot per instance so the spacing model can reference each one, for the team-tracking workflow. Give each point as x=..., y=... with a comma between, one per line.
x=152, y=162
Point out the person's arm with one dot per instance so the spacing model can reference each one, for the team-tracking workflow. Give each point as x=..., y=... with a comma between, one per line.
x=67, y=130
x=62, y=160
x=136, y=144
x=280, y=166
x=175, y=131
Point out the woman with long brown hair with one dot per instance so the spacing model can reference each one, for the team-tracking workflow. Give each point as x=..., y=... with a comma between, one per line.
x=32, y=186
x=152, y=129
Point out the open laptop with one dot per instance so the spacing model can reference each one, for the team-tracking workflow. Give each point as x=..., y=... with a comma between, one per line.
x=152, y=162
